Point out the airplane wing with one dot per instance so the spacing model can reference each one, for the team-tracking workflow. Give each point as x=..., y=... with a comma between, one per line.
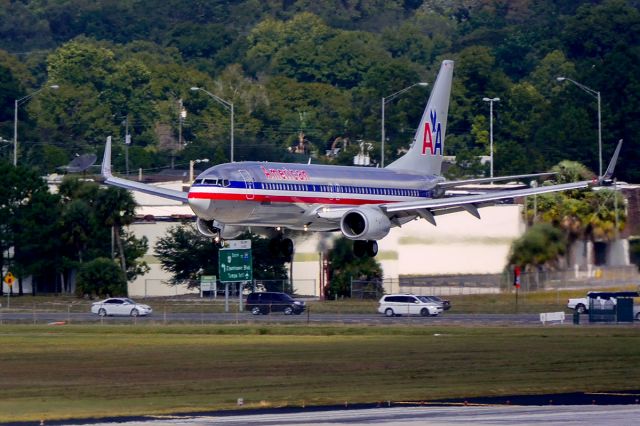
x=455, y=183
x=109, y=179
x=427, y=209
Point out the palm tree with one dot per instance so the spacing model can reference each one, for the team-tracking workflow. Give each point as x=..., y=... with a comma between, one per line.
x=589, y=215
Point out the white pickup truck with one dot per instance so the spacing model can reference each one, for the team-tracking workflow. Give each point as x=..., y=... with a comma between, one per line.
x=581, y=305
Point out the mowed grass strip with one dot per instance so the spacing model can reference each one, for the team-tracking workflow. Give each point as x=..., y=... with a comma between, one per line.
x=92, y=371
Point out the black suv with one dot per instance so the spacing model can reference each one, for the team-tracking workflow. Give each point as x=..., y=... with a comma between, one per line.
x=265, y=302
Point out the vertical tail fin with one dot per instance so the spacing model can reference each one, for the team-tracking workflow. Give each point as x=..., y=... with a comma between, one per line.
x=106, y=160
x=427, y=150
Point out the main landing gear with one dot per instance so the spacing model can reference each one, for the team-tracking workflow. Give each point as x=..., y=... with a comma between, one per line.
x=281, y=247
x=365, y=247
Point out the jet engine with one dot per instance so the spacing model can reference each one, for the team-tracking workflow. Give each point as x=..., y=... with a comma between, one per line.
x=215, y=229
x=365, y=223
x=229, y=232
x=206, y=228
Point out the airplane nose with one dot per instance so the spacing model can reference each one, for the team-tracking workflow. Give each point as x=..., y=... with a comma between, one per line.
x=201, y=207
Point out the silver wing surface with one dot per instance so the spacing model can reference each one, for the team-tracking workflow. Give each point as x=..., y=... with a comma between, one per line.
x=109, y=179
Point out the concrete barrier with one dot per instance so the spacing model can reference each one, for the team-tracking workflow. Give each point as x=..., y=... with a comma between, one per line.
x=551, y=316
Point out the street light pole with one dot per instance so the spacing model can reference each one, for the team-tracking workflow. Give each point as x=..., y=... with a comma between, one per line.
x=191, y=163
x=226, y=104
x=596, y=95
x=491, y=101
x=384, y=101
x=16, y=103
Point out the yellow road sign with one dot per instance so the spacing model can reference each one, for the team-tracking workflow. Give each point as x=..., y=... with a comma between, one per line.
x=9, y=279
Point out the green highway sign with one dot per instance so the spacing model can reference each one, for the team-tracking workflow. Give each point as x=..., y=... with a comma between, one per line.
x=207, y=282
x=235, y=265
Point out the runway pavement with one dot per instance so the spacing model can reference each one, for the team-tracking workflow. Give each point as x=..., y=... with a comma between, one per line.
x=411, y=416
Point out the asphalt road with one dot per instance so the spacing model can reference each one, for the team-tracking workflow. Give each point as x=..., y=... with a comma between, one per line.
x=411, y=416
x=446, y=318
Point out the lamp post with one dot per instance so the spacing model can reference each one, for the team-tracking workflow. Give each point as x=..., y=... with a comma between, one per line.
x=18, y=102
x=191, y=163
x=596, y=95
x=384, y=101
x=491, y=101
x=226, y=104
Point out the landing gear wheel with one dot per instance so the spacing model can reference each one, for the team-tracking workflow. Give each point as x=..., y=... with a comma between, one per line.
x=359, y=248
x=372, y=248
x=286, y=247
x=281, y=247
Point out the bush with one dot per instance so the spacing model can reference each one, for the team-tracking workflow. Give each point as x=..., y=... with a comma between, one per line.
x=101, y=277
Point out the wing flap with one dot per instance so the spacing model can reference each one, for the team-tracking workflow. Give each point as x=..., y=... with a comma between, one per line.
x=480, y=200
x=456, y=183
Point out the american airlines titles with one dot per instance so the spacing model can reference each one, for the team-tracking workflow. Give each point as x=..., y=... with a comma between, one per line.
x=285, y=174
x=428, y=144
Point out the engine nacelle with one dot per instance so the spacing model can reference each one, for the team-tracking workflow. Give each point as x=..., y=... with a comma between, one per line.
x=365, y=223
x=229, y=232
x=214, y=229
x=206, y=228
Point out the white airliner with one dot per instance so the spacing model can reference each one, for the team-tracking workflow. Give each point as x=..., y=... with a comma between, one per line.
x=362, y=203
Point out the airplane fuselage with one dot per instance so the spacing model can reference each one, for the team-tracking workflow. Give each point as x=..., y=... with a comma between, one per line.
x=289, y=195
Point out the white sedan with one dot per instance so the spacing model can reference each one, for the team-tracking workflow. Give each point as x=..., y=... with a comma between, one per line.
x=120, y=306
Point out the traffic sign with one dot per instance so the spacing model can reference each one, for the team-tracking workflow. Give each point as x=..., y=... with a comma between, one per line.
x=207, y=282
x=237, y=244
x=235, y=265
x=9, y=279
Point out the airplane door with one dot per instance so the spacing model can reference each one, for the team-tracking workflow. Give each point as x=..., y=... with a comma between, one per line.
x=248, y=182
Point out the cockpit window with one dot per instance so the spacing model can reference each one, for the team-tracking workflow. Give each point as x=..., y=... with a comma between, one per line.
x=210, y=181
x=225, y=182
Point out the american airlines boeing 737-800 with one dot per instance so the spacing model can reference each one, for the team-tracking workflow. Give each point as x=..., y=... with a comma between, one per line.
x=362, y=203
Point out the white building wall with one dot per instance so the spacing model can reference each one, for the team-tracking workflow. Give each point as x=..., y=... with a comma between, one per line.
x=459, y=244
x=154, y=283
x=618, y=253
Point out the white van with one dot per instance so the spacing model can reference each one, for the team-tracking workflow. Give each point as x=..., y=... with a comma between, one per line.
x=408, y=304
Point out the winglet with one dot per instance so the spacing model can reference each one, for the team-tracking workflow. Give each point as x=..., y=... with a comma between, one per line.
x=106, y=160
x=612, y=164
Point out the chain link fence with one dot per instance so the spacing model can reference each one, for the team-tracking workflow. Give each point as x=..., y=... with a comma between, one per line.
x=455, y=285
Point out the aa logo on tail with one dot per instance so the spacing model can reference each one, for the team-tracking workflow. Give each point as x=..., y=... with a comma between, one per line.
x=429, y=146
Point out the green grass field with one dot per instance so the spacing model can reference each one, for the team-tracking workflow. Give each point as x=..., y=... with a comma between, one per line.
x=50, y=372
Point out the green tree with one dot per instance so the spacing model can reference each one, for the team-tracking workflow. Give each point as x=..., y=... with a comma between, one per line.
x=542, y=245
x=583, y=214
x=93, y=217
x=187, y=255
x=25, y=223
x=115, y=208
x=101, y=277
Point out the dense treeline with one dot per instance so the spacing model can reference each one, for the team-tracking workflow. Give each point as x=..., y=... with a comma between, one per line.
x=316, y=71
